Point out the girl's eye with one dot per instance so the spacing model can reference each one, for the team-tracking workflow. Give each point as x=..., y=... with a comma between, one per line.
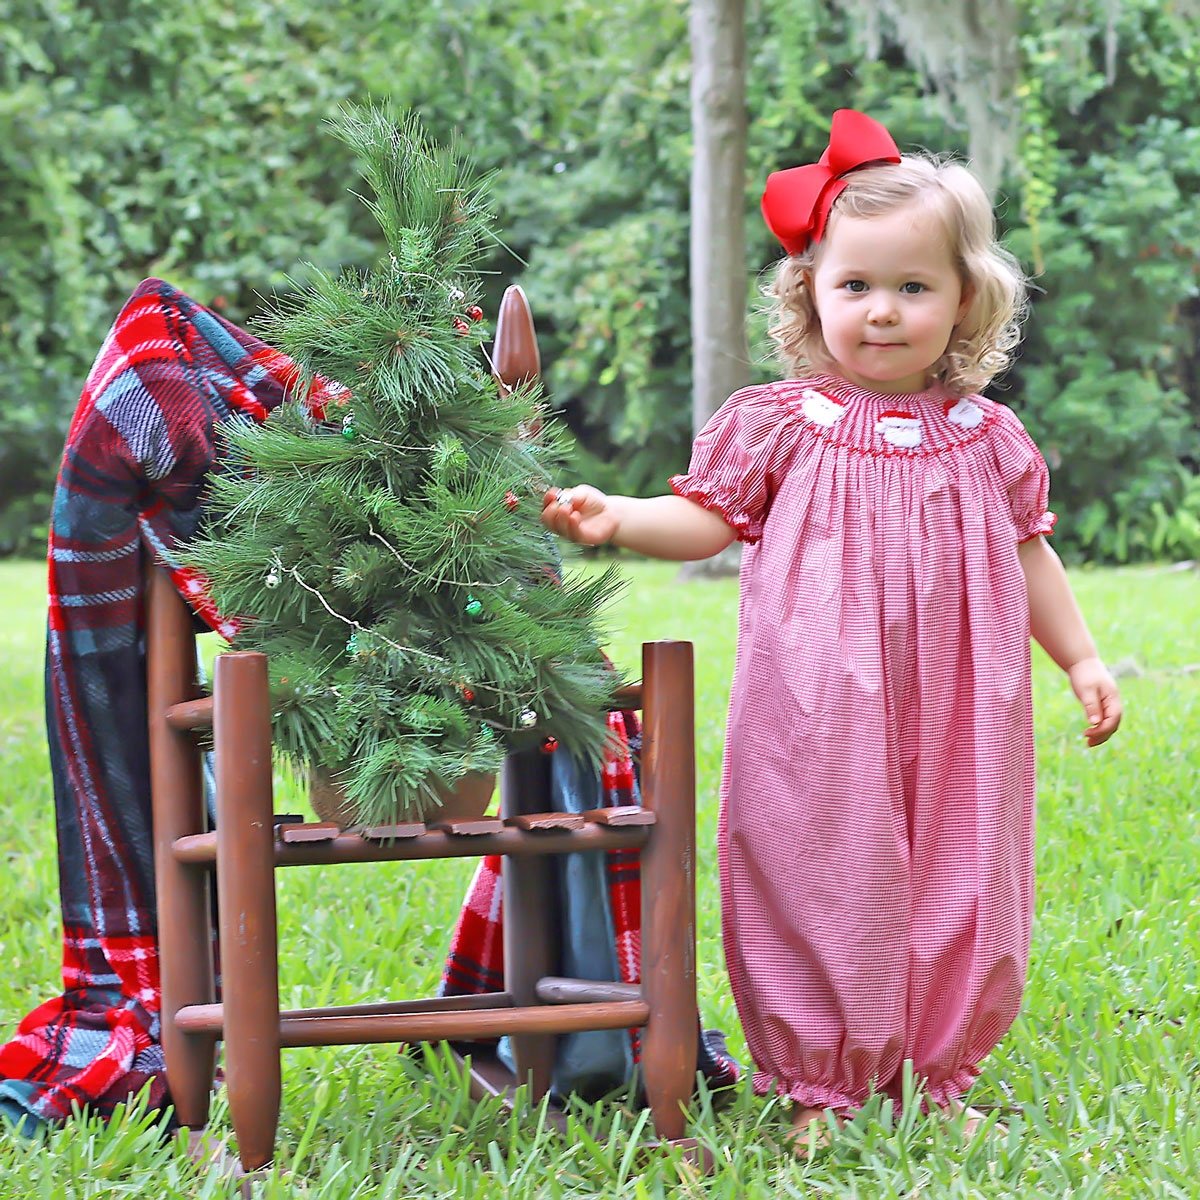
x=913, y=289
x=855, y=285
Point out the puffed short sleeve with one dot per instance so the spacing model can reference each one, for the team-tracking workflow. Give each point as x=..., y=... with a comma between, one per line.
x=1024, y=474
x=737, y=458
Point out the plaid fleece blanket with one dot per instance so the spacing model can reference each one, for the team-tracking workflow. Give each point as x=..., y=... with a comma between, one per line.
x=598, y=907
x=129, y=490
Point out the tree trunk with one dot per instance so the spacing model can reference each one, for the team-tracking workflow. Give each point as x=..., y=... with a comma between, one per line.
x=720, y=353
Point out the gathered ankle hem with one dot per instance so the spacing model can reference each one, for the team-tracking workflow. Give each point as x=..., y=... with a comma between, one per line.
x=810, y=1095
x=940, y=1094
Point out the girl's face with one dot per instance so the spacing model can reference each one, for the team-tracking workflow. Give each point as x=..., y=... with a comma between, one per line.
x=888, y=296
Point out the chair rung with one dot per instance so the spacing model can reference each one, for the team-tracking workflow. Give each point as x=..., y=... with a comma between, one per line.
x=292, y=850
x=552, y=989
x=391, y=1007
x=349, y=1028
x=210, y=1018
x=459, y=1026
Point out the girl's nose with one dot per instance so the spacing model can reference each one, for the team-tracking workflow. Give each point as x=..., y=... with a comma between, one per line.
x=882, y=311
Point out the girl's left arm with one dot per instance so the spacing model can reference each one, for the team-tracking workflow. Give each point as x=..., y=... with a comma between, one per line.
x=1058, y=627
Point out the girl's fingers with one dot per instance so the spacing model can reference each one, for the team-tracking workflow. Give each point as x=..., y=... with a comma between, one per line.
x=561, y=512
x=566, y=510
x=557, y=504
x=552, y=514
x=1112, y=715
x=1093, y=709
x=1101, y=728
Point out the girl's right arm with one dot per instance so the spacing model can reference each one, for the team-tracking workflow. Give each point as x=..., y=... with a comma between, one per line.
x=1058, y=627
x=660, y=526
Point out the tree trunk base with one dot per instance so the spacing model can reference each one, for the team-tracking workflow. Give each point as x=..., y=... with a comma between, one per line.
x=721, y=566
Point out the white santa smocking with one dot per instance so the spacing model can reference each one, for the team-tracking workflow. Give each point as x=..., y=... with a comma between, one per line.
x=964, y=412
x=821, y=409
x=899, y=428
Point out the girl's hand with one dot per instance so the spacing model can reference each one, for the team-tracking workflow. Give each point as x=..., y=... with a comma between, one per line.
x=1097, y=692
x=581, y=514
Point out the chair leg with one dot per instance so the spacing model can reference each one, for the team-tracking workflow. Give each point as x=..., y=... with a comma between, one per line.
x=246, y=908
x=184, y=913
x=669, y=884
x=530, y=933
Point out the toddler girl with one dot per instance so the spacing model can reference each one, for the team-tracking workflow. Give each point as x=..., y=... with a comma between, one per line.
x=877, y=800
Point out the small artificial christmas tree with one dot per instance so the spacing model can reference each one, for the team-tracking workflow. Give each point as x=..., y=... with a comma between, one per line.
x=384, y=547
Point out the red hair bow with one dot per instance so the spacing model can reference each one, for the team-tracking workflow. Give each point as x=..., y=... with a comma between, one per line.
x=796, y=202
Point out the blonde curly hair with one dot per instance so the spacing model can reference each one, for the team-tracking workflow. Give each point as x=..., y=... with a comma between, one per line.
x=983, y=342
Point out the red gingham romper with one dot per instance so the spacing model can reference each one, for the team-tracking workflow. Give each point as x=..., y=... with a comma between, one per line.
x=877, y=800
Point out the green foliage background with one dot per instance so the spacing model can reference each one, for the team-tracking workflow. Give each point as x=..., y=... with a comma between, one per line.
x=188, y=143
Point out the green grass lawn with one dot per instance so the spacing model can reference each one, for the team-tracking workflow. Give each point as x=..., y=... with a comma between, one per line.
x=1099, y=1074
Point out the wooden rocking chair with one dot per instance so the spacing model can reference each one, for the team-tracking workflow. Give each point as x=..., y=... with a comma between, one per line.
x=250, y=843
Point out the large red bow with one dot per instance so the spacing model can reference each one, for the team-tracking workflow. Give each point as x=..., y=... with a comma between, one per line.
x=796, y=202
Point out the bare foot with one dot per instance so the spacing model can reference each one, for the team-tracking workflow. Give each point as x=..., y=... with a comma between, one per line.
x=810, y=1131
x=973, y=1120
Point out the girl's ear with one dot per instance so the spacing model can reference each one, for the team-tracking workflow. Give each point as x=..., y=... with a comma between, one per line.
x=968, y=298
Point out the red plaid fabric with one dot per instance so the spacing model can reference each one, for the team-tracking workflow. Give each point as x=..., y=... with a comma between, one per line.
x=139, y=450
x=475, y=963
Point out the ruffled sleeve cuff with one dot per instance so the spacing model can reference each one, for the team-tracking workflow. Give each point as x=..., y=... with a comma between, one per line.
x=747, y=526
x=1042, y=526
